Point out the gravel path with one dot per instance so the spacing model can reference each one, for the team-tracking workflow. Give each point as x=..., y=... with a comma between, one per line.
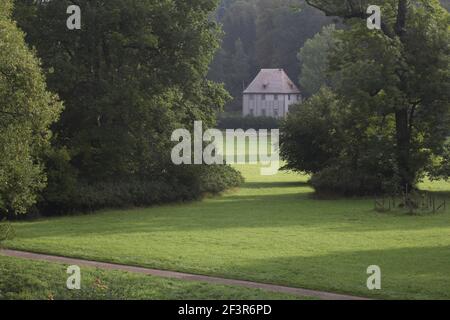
x=179, y=275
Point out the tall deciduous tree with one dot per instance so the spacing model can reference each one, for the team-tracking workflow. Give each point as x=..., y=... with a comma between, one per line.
x=134, y=72
x=27, y=110
x=401, y=72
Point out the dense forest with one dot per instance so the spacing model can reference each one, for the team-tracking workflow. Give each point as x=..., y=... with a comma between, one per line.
x=87, y=115
x=264, y=34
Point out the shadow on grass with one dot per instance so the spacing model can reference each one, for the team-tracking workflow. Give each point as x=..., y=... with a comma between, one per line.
x=287, y=208
x=406, y=273
x=265, y=212
x=281, y=184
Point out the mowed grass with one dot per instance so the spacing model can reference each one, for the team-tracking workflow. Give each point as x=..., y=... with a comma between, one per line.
x=22, y=279
x=271, y=230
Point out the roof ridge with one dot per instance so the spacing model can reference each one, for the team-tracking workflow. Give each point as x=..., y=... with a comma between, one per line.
x=274, y=81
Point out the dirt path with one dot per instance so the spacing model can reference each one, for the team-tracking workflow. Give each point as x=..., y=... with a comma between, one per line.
x=179, y=275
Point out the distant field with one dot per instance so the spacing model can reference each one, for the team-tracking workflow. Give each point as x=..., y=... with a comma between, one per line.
x=271, y=230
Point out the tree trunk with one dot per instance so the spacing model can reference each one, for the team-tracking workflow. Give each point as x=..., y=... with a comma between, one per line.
x=403, y=148
x=400, y=26
x=403, y=133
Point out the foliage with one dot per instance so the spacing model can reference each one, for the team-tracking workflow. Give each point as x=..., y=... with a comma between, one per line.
x=344, y=179
x=190, y=183
x=393, y=100
x=407, y=84
x=230, y=121
x=313, y=57
x=217, y=178
x=440, y=167
x=323, y=137
x=312, y=137
x=135, y=72
x=27, y=110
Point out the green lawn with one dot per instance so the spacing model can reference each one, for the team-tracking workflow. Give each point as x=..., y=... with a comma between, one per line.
x=22, y=279
x=272, y=231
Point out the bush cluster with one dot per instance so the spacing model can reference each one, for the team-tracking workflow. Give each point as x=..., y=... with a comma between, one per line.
x=191, y=184
x=239, y=122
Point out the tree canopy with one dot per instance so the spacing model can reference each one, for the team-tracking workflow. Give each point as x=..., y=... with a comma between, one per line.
x=314, y=62
x=393, y=90
x=134, y=72
x=27, y=110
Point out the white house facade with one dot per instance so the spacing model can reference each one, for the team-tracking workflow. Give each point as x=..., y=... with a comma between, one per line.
x=270, y=94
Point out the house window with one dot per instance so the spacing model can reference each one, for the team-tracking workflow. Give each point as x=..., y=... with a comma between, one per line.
x=263, y=112
x=299, y=97
x=251, y=97
x=252, y=112
x=275, y=112
x=263, y=97
x=275, y=97
x=289, y=97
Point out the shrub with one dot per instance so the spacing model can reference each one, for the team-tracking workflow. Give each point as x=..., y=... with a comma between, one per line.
x=238, y=122
x=342, y=180
x=190, y=183
x=311, y=135
x=218, y=178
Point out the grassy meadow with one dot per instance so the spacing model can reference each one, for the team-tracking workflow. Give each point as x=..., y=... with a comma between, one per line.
x=271, y=230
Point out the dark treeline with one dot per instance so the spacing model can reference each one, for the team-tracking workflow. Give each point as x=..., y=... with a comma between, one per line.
x=261, y=34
